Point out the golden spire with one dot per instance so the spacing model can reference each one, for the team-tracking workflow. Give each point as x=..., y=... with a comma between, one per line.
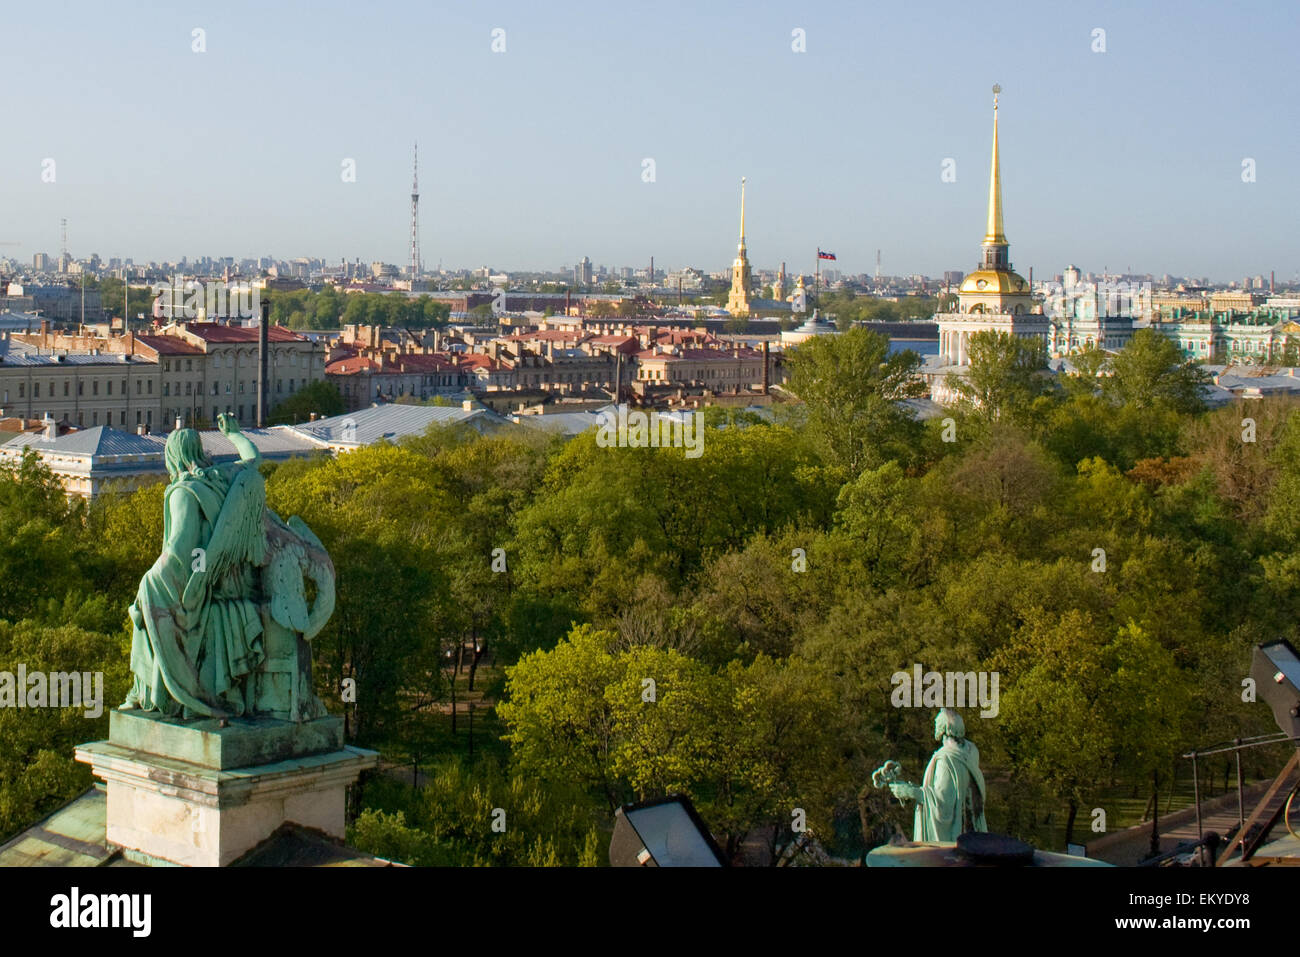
x=995, y=234
x=742, y=212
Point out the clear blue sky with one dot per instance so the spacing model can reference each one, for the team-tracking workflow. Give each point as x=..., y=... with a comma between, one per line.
x=532, y=158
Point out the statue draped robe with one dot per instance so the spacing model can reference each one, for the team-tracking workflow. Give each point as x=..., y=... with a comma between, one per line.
x=952, y=794
x=197, y=626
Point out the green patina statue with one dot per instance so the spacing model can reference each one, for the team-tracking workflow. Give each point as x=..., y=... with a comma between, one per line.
x=950, y=798
x=222, y=620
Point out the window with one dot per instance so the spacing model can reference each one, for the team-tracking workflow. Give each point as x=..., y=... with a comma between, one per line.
x=189, y=365
x=65, y=387
x=227, y=388
x=137, y=417
x=166, y=388
x=214, y=388
x=36, y=390
x=108, y=387
x=94, y=418
x=167, y=365
x=81, y=390
x=139, y=386
x=122, y=418
x=187, y=388
x=22, y=390
x=290, y=385
x=94, y=387
x=150, y=390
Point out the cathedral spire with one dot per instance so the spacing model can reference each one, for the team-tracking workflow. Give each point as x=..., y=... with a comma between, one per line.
x=995, y=234
x=742, y=213
x=741, y=279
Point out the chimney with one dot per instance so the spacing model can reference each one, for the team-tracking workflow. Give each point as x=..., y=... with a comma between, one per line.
x=468, y=405
x=139, y=429
x=180, y=423
x=311, y=417
x=51, y=427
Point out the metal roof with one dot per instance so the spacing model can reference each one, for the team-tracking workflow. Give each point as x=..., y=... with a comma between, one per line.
x=389, y=422
x=115, y=359
x=100, y=440
x=105, y=440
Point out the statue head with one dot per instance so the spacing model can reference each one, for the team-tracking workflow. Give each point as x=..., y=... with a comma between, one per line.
x=948, y=724
x=184, y=453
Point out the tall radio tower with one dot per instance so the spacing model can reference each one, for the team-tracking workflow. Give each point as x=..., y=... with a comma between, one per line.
x=415, y=217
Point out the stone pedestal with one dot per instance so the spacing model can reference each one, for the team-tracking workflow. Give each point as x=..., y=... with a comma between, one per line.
x=195, y=793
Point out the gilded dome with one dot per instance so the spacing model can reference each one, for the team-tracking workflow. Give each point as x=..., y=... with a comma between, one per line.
x=995, y=281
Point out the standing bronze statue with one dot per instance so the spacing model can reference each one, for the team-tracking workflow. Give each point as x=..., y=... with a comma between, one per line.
x=221, y=620
x=950, y=798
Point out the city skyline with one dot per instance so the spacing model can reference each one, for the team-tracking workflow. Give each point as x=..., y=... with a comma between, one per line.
x=215, y=161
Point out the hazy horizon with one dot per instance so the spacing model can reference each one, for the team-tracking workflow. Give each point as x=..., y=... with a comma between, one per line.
x=532, y=158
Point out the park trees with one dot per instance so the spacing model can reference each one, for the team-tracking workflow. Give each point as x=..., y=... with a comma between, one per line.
x=1005, y=379
x=853, y=388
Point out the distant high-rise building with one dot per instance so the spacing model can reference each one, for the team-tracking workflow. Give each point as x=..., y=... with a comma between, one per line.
x=41, y=262
x=582, y=273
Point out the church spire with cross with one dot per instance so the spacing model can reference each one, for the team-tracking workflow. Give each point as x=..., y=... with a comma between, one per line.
x=741, y=279
x=995, y=286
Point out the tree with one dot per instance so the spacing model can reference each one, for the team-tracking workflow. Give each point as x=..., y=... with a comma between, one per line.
x=749, y=743
x=1081, y=703
x=321, y=397
x=1005, y=376
x=853, y=388
x=1150, y=371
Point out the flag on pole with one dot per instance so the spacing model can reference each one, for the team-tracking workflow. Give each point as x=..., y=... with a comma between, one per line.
x=824, y=255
